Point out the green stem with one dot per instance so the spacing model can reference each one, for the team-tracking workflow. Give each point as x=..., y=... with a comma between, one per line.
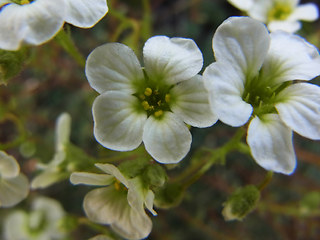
x=146, y=21
x=266, y=181
x=65, y=41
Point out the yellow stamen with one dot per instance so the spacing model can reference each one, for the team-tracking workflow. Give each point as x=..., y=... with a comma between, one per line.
x=148, y=92
x=167, y=98
x=145, y=105
x=24, y=2
x=117, y=185
x=159, y=103
x=158, y=113
x=142, y=97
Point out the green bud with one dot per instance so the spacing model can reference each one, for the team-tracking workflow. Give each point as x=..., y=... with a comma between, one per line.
x=241, y=203
x=155, y=175
x=11, y=63
x=133, y=168
x=169, y=196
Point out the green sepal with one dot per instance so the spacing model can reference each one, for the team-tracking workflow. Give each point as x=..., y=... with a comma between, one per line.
x=170, y=195
x=155, y=175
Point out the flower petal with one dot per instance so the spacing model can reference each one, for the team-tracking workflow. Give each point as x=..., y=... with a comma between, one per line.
x=225, y=86
x=300, y=109
x=15, y=225
x=271, y=146
x=290, y=57
x=191, y=103
x=113, y=66
x=306, y=12
x=13, y=190
x=47, y=178
x=91, y=178
x=9, y=166
x=288, y=26
x=114, y=171
x=85, y=13
x=44, y=19
x=109, y=206
x=63, y=128
x=117, y=125
x=243, y=43
x=171, y=59
x=167, y=139
x=243, y=5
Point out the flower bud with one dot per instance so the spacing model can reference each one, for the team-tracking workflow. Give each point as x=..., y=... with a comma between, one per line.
x=241, y=203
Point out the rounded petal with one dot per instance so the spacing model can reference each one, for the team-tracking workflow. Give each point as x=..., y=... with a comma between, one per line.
x=52, y=209
x=167, y=139
x=260, y=10
x=306, y=12
x=85, y=13
x=109, y=206
x=113, y=66
x=63, y=129
x=225, y=86
x=271, y=146
x=288, y=26
x=117, y=124
x=290, y=57
x=243, y=5
x=114, y=171
x=300, y=109
x=13, y=190
x=91, y=178
x=14, y=226
x=243, y=43
x=171, y=59
x=9, y=166
x=191, y=103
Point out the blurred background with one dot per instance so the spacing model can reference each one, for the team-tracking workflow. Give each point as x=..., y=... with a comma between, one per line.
x=51, y=82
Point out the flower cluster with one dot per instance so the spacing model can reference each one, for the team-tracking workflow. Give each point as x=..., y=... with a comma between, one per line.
x=37, y=21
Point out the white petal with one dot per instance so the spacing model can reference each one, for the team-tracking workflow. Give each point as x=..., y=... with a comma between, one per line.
x=306, y=12
x=290, y=57
x=101, y=237
x=171, y=59
x=13, y=190
x=9, y=166
x=109, y=206
x=191, y=103
x=114, y=171
x=52, y=208
x=271, y=146
x=242, y=42
x=260, y=10
x=113, y=66
x=12, y=27
x=288, y=26
x=225, y=86
x=63, y=128
x=44, y=19
x=91, y=178
x=85, y=13
x=15, y=225
x=243, y=5
x=167, y=139
x=47, y=178
x=300, y=109
x=117, y=124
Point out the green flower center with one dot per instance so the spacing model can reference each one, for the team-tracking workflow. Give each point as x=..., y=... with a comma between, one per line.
x=280, y=11
x=261, y=94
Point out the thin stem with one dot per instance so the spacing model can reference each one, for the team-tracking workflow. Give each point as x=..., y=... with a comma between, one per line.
x=65, y=41
x=266, y=181
x=146, y=21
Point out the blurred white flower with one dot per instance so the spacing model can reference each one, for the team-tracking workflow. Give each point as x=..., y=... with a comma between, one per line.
x=42, y=223
x=150, y=103
x=14, y=186
x=119, y=201
x=37, y=21
x=53, y=171
x=253, y=80
x=279, y=14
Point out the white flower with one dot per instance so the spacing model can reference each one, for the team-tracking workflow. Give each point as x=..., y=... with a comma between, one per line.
x=14, y=186
x=119, y=202
x=35, y=22
x=279, y=14
x=150, y=104
x=252, y=78
x=53, y=172
x=41, y=223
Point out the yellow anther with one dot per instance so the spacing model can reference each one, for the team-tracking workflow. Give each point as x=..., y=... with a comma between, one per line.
x=142, y=97
x=117, y=185
x=158, y=113
x=24, y=2
x=167, y=98
x=148, y=92
x=145, y=105
x=159, y=103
